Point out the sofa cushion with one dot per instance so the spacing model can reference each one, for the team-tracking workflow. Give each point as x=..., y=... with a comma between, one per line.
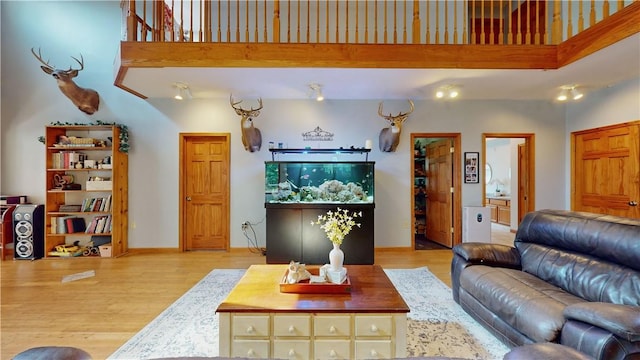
x=529, y=304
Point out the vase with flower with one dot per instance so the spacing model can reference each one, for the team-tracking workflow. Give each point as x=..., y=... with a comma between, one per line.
x=337, y=224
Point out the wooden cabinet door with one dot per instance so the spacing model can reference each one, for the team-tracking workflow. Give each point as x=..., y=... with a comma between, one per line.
x=606, y=176
x=205, y=165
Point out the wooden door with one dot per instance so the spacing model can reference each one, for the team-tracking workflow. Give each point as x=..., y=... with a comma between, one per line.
x=205, y=191
x=606, y=176
x=439, y=195
x=523, y=182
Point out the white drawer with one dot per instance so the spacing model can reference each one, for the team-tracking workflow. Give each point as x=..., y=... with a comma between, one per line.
x=332, y=325
x=332, y=349
x=292, y=325
x=374, y=325
x=250, y=348
x=373, y=349
x=250, y=325
x=292, y=349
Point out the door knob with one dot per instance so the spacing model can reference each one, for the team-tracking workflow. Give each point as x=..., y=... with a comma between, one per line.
x=633, y=203
x=188, y=198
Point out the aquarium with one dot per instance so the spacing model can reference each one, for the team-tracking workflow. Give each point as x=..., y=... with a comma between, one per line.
x=319, y=182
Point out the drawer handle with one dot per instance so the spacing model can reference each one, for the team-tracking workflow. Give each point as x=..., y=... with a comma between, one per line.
x=333, y=354
x=374, y=353
x=251, y=330
x=374, y=328
x=332, y=330
x=292, y=352
x=292, y=329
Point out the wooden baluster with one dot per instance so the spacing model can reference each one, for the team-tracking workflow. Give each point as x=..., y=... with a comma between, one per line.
x=357, y=24
x=415, y=30
x=592, y=14
x=337, y=23
x=556, y=36
x=190, y=22
x=428, y=23
x=528, y=34
x=265, y=32
x=580, y=17
x=132, y=21
x=395, y=22
x=219, y=22
x=491, y=27
x=246, y=21
x=465, y=10
x=546, y=32
x=455, y=22
x=437, y=22
x=255, y=34
x=144, y=20
x=317, y=21
x=385, y=23
x=473, y=22
x=201, y=28
x=207, y=21
x=446, y=22
x=158, y=21
x=501, y=25
x=326, y=33
x=288, y=21
x=298, y=25
x=346, y=20
x=519, y=29
x=308, y=29
x=536, y=18
x=569, y=21
x=510, y=29
x=404, y=18
x=482, y=33
x=605, y=9
x=366, y=21
x=620, y=5
x=276, y=21
x=228, y=20
x=375, y=22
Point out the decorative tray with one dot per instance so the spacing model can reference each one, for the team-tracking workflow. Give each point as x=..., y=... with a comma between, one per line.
x=305, y=287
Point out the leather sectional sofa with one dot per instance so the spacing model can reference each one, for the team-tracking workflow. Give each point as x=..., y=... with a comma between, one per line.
x=572, y=278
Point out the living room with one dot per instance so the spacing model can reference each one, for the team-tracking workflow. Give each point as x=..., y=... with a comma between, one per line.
x=32, y=101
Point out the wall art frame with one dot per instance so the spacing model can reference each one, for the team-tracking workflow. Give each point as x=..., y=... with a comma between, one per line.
x=471, y=166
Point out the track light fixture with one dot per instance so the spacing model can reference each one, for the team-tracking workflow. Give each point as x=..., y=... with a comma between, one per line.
x=447, y=92
x=569, y=92
x=316, y=91
x=182, y=91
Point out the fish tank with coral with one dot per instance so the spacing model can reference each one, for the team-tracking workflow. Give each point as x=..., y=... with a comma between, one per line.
x=319, y=182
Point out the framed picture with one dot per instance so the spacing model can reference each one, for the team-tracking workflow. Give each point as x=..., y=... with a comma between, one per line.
x=471, y=173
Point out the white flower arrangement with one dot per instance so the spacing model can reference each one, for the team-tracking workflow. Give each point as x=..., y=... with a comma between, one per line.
x=337, y=224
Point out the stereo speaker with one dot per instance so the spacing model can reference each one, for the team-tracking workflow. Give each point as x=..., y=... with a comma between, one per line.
x=28, y=226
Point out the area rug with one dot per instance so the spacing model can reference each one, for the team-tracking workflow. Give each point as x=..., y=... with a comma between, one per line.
x=437, y=326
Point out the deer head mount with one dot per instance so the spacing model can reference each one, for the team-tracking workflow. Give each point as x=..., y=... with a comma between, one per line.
x=390, y=136
x=251, y=136
x=87, y=100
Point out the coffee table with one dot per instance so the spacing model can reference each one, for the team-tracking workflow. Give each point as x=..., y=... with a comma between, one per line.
x=257, y=320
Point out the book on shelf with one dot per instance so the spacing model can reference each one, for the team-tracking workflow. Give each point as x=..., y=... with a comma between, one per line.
x=99, y=224
x=67, y=224
x=97, y=204
x=67, y=159
x=70, y=208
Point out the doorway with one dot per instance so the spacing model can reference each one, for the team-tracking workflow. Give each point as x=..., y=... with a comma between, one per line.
x=508, y=187
x=436, y=201
x=204, y=191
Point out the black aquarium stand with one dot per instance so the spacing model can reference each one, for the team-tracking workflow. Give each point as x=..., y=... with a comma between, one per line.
x=290, y=235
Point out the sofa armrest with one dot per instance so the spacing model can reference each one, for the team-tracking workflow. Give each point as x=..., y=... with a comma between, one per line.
x=621, y=320
x=489, y=254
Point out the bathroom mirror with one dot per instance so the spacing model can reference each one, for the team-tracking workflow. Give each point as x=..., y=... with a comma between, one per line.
x=488, y=173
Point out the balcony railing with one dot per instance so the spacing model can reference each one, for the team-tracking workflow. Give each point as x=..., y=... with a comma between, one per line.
x=485, y=22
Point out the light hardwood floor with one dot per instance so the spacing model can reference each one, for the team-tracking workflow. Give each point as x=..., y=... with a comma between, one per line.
x=101, y=313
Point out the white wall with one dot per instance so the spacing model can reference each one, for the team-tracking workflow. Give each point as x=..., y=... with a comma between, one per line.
x=31, y=100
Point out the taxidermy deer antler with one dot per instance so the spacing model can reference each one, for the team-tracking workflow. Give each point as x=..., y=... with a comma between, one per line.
x=251, y=136
x=390, y=136
x=87, y=100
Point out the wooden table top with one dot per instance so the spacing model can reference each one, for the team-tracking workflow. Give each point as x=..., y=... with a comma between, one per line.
x=259, y=291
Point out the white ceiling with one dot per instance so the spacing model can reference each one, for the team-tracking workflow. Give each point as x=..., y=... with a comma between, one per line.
x=605, y=68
